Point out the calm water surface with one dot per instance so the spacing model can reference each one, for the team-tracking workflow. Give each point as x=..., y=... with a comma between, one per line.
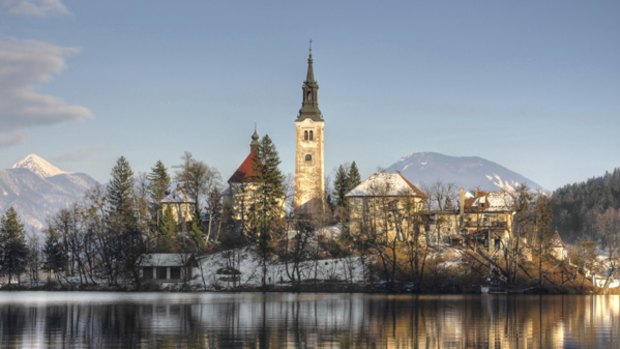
x=285, y=320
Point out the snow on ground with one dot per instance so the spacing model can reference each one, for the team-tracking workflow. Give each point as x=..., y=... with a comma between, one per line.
x=215, y=271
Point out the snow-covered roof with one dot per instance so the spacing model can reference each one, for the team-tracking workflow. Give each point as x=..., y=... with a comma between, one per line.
x=385, y=184
x=494, y=201
x=164, y=259
x=177, y=196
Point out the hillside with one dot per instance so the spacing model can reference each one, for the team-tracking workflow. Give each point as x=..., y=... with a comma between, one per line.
x=575, y=206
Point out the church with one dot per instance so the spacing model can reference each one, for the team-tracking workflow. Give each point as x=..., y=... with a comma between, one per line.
x=309, y=187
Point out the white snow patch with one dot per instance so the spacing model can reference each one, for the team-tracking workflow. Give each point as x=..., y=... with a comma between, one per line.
x=38, y=165
x=248, y=264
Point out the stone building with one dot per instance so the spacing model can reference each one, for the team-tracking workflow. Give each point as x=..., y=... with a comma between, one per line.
x=180, y=205
x=385, y=203
x=309, y=197
x=241, y=185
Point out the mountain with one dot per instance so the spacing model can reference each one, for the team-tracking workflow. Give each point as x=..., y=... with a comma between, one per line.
x=38, y=189
x=468, y=172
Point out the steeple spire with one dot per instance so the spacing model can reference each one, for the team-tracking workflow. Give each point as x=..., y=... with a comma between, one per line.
x=254, y=144
x=310, y=102
x=310, y=74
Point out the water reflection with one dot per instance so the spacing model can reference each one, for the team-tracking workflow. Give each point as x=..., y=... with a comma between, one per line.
x=250, y=320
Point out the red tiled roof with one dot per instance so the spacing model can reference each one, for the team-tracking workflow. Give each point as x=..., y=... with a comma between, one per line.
x=413, y=187
x=245, y=172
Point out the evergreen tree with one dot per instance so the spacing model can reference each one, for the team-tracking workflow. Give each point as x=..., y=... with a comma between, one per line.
x=13, y=250
x=159, y=181
x=267, y=207
x=120, y=196
x=167, y=231
x=55, y=256
x=353, y=177
x=123, y=243
x=341, y=184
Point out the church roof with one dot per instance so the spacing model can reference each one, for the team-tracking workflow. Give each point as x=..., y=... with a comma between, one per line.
x=245, y=172
x=386, y=184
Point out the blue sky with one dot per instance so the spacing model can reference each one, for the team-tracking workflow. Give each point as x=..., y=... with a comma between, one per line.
x=532, y=85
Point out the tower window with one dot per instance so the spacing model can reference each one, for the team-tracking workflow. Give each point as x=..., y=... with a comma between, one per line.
x=309, y=94
x=308, y=157
x=311, y=135
x=305, y=135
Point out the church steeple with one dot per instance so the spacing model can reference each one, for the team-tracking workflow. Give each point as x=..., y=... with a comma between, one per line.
x=310, y=103
x=310, y=74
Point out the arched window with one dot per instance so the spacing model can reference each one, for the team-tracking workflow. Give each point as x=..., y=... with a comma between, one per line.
x=305, y=135
x=308, y=157
x=309, y=95
x=311, y=135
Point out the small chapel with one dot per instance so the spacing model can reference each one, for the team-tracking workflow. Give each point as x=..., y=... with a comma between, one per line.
x=309, y=186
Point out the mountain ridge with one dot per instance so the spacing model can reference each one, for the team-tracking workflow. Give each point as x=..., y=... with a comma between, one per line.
x=38, y=189
x=468, y=172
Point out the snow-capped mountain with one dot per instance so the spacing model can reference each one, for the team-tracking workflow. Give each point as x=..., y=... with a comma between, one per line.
x=468, y=172
x=39, y=166
x=38, y=189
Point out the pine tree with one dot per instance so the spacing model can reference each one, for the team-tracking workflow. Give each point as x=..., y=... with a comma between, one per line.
x=266, y=209
x=340, y=186
x=353, y=177
x=269, y=193
x=167, y=231
x=159, y=181
x=13, y=250
x=55, y=256
x=123, y=238
x=120, y=196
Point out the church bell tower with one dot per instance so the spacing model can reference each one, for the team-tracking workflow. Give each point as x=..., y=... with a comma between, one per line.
x=309, y=195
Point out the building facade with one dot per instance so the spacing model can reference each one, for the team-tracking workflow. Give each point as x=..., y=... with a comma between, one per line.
x=309, y=196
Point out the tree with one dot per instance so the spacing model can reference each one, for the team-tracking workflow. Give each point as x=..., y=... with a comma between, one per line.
x=347, y=178
x=266, y=210
x=13, y=250
x=441, y=197
x=544, y=221
x=159, y=182
x=197, y=180
x=608, y=224
x=353, y=177
x=340, y=186
x=167, y=232
x=55, y=256
x=123, y=243
x=120, y=196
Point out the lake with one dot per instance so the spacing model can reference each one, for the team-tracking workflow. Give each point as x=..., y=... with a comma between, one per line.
x=307, y=320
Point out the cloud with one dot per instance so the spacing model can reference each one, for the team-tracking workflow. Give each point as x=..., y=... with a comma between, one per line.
x=38, y=8
x=12, y=139
x=79, y=155
x=23, y=65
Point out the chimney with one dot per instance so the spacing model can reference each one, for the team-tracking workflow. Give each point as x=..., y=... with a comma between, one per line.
x=461, y=201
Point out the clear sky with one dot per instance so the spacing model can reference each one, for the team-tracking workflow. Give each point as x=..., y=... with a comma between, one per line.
x=531, y=85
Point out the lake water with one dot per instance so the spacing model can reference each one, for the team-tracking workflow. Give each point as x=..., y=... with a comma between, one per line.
x=286, y=320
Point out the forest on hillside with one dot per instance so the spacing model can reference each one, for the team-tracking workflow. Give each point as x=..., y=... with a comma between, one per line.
x=576, y=206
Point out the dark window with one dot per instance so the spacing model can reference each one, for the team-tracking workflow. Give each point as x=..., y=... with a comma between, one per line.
x=305, y=135
x=309, y=96
x=311, y=135
x=175, y=273
x=147, y=273
x=308, y=157
x=161, y=273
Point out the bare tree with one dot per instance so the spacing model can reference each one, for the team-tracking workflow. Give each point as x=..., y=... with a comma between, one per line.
x=608, y=224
